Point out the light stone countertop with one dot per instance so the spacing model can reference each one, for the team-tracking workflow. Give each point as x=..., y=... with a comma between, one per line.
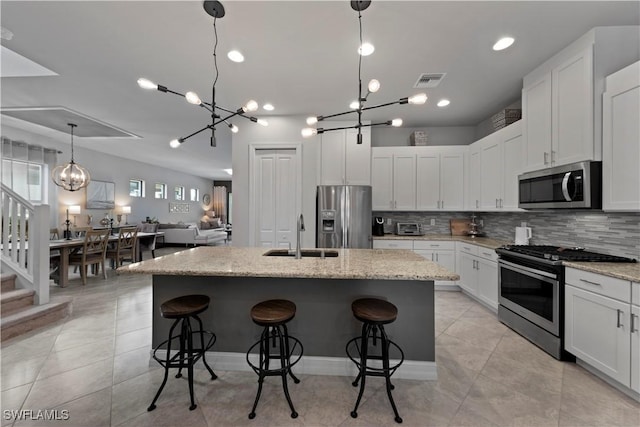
x=619, y=270
x=480, y=241
x=382, y=264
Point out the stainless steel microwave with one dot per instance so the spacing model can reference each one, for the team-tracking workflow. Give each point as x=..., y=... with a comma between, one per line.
x=573, y=186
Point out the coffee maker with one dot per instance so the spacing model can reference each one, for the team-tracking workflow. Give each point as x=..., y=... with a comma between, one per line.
x=378, y=226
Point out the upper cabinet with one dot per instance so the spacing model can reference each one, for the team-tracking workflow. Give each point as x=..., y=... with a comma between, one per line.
x=342, y=160
x=621, y=140
x=561, y=106
x=393, y=178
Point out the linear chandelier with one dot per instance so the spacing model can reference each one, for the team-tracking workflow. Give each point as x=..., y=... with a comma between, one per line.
x=359, y=105
x=218, y=114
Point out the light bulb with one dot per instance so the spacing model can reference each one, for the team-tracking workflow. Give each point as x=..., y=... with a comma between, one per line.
x=147, y=84
x=174, y=143
x=503, y=43
x=418, y=99
x=443, y=103
x=366, y=49
x=396, y=123
x=309, y=132
x=374, y=86
x=312, y=120
x=268, y=107
x=354, y=105
x=263, y=122
x=234, y=128
x=251, y=105
x=193, y=98
x=235, y=56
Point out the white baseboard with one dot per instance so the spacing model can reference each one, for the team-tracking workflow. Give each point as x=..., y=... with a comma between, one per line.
x=314, y=365
x=604, y=377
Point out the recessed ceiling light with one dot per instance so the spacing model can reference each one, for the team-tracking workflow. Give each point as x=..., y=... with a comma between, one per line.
x=366, y=49
x=503, y=43
x=443, y=103
x=229, y=171
x=268, y=107
x=235, y=56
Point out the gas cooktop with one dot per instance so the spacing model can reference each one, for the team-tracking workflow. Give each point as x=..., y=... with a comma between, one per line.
x=559, y=253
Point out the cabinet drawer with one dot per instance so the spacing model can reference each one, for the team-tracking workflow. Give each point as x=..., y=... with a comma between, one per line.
x=393, y=244
x=467, y=248
x=488, y=254
x=435, y=245
x=635, y=293
x=608, y=286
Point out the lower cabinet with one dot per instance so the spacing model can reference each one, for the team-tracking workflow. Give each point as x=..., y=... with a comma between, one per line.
x=601, y=325
x=478, y=270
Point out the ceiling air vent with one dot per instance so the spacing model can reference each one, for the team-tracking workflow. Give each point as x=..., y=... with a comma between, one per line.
x=427, y=80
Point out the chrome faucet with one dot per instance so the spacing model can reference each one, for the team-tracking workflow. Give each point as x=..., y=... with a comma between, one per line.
x=300, y=228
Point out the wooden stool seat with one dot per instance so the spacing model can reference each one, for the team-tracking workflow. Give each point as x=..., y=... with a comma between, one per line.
x=373, y=310
x=273, y=312
x=187, y=305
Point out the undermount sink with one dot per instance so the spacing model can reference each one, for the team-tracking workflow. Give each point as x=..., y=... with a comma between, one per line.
x=317, y=253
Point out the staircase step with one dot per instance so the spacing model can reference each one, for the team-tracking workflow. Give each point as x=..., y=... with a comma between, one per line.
x=11, y=301
x=33, y=317
x=8, y=282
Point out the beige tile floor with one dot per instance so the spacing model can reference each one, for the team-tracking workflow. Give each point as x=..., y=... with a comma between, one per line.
x=95, y=365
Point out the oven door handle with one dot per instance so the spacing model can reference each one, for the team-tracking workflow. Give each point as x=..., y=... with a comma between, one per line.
x=528, y=271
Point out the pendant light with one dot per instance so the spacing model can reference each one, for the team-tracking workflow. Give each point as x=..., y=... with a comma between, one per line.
x=72, y=176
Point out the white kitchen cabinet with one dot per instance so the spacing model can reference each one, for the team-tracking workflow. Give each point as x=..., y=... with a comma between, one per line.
x=512, y=163
x=393, y=244
x=621, y=140
x=473, y=179
x=440, y=178
x=467, y=272
x=441, y=252
x=393, y=172
x=635, y=337
x=598, y=320
x=478, y=270
x=342, y=160
x=490, y=172
x=561, y=99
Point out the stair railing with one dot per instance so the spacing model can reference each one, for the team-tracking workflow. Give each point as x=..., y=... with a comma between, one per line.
x=25, y=243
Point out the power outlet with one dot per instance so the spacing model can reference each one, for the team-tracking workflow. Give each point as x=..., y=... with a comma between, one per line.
x=482, y=223
x=433, y=221
x=388, y=221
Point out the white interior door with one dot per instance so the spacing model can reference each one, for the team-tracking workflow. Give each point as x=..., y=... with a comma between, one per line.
x=275, y=193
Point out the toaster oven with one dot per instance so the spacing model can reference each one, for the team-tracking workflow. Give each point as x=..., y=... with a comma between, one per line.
x=409, y=229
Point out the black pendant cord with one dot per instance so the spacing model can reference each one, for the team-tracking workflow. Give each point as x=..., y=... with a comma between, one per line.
x=213, y=88
x=360, y=101
x=72, y=126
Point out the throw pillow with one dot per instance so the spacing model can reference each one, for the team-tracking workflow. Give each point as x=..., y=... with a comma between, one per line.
x=204, y=225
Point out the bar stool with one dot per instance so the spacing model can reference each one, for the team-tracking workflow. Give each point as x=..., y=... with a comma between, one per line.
x=374, y=314
x=273, y=316
x=182, y=309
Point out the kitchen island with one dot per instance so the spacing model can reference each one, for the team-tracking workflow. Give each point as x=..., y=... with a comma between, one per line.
x=322, y=288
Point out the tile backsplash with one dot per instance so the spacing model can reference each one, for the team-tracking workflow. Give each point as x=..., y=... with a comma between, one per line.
x=612, y=233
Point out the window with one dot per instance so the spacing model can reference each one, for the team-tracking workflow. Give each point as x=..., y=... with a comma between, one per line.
x=195, y=195
x=180, y=195
x=25, y=178
x=161, y=191
x=136, y=188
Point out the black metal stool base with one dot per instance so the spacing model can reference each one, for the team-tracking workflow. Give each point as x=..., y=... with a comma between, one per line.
x=186, y=357
x=361, y=344
x=287, y=347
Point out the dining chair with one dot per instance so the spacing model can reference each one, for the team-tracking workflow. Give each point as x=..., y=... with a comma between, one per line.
x=54, y=234
x=80, y=231
x=124, y=248
x=93, y=252
x=54, y=256
x=148, y=244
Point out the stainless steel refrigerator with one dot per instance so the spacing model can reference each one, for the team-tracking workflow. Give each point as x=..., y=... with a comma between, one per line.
x=343, y=216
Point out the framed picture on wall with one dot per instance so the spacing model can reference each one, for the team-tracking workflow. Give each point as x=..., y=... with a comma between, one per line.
x=101, y=195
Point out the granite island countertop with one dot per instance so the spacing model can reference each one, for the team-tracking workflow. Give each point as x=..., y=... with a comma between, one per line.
x=230, y=261
x=480, y=241
x=619, y=270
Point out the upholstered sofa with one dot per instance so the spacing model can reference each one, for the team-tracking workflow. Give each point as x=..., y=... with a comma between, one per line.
x=190, y=234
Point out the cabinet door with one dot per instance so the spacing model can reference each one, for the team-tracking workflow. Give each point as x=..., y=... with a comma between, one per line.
x=404, y=182
x=382, y=181
x=621, y=140
x=597, y=331
x=635, y=349
x=358, y=158
x=467, y=272
x=426, y=254
x=332, y=158
x=512, y=147
x=536, y=120
x=572, y=109
x=490, y=173
x=452, y=181
x=473, y=180
x=487, y=273
x=428, y=181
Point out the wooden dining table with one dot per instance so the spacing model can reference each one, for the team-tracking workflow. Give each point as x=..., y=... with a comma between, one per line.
x=66, y=247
